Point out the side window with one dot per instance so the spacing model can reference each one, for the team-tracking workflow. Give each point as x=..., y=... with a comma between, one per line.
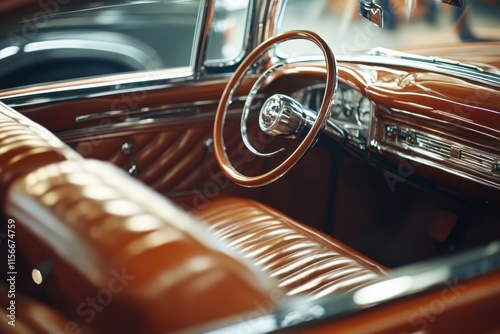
x=53, y=44
x=227, y=35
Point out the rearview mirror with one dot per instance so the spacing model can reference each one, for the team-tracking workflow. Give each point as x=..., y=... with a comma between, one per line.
x=371, y=11
x=374, y=12
x=458, y=3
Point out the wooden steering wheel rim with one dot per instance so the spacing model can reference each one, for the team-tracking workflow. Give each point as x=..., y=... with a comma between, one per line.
x=310, y=138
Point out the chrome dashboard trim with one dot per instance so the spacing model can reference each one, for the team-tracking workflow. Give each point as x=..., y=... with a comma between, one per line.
x=465, y=73
x=438, y=149
x=454, y=125
x=384, y=52
x=434, y=164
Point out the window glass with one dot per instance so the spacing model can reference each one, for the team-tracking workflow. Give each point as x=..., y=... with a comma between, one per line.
x=409, y=23
x=55, y=44
x=228, y=31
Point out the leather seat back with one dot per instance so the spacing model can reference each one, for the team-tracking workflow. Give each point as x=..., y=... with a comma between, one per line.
x=25, y=146
x=121, y=258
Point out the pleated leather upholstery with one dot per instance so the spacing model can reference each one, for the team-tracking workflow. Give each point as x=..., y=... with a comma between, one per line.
x=110, y=237
x=304, y=261
x=25, y=145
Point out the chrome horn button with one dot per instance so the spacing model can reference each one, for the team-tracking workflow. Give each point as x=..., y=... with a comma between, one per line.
x=269, y=113
x=281, y=115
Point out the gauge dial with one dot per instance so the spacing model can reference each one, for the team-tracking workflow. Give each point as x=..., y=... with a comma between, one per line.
x=339, y=103
x=363, y=114
x=349, y=102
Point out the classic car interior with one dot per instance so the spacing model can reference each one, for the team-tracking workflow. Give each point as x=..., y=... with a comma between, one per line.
x=251, y=193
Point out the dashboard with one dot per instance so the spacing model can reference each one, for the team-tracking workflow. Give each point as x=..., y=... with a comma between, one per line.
x=352, y=111
x=416, y=123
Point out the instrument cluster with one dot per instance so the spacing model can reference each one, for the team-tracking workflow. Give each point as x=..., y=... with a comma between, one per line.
x=352, y=111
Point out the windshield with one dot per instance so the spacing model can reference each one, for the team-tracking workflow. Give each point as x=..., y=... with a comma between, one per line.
x=408, y=24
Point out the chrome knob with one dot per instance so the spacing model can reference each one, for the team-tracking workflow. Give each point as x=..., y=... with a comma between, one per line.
x=282, y=116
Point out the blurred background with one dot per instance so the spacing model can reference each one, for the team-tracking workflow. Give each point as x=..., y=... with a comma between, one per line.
x=105, y=37
x=410, y=23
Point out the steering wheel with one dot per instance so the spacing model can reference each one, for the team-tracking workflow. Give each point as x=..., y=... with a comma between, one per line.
x=269, y=113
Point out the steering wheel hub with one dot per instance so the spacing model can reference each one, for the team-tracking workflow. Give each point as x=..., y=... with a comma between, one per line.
x=282, y=116
x=269, y=114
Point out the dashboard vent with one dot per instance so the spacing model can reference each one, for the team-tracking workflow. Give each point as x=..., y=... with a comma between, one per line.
x=433, y=146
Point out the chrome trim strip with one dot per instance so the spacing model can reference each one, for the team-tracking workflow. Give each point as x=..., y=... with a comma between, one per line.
x=477, y=160
x=434, y=146
x=200, y=42
x=142, y=112
x=465, y=73
x=214, y=65
x=385, y=52
x=454, y=125
x=437, y=165
x=402, y=139
x=487, y=78
x=148, y=81
x=165, y=110
x=136, y=124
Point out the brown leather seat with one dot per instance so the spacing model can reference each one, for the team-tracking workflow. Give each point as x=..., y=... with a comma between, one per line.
x=122, y=258
x=303, y=260
x=25, y=145
x=148, y=266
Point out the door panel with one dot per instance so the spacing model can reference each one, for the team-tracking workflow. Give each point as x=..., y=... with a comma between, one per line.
x=160, y=135
x=173, y=160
